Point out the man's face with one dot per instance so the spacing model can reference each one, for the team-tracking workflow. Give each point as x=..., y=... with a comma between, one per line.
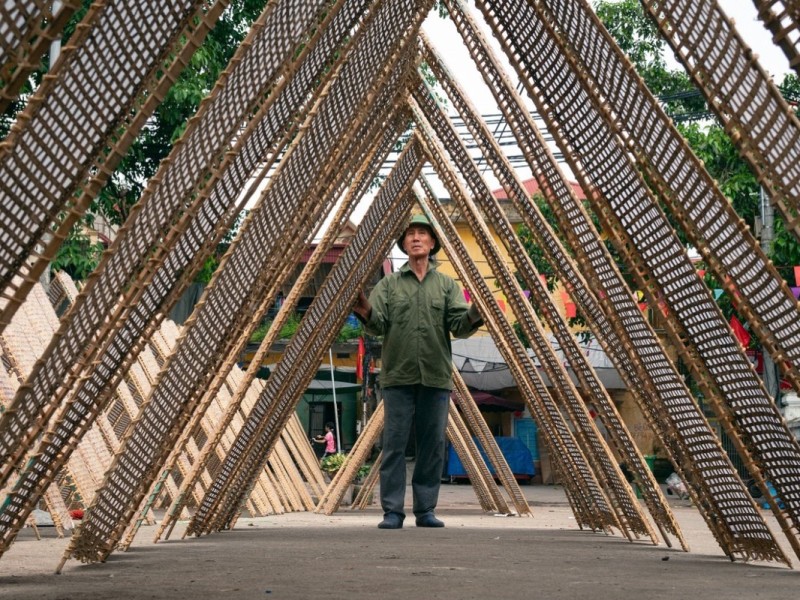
x=418, y=241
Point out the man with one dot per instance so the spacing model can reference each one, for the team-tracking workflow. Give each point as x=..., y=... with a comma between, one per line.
x=415, y=310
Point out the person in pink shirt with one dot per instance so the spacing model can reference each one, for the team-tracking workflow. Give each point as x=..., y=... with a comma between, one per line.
x=328, y=440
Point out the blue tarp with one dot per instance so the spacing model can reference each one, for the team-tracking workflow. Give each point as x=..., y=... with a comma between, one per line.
x=516, y=453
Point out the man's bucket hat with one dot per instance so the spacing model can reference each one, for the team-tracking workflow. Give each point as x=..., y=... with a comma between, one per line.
x=419, y=219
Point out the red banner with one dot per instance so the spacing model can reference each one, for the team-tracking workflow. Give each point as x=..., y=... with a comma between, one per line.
x=740, y=332
x=360, y=359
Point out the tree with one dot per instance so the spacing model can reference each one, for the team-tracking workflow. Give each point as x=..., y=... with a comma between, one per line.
x=78, y=255
x=638, y=37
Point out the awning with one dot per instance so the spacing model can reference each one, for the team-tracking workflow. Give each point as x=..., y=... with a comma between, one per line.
x=484, y=368
x=481, y=364
x=321, y=387
x=492, y=402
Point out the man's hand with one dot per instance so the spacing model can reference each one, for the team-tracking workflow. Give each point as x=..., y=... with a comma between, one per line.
x=362, y=307
x=474, y=315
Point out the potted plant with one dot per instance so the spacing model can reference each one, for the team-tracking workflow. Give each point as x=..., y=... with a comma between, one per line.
x=362, y=473
x=332, y=463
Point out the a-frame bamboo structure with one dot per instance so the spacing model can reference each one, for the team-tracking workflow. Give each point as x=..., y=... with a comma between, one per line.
x=123, y=409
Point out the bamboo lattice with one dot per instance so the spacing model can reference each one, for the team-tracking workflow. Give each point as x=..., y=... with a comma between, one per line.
x=732, y=517
x=225, y=301
x=67, y=141
x=221, y=116
x=334, y=494
x=287, y=110
x=707, y=217
x=376, y=40
x=299, y=360
x=782, y=19
x=358, y=189
x=242, y=86
x=150, y=298
x=756, y=117
x=360, y=146
x=27, y=27
x=356, y=192
x=471, y=415
x=14, y=364
x=596, y=450
x=487, y=491
x=569, y=274
x=748, y=414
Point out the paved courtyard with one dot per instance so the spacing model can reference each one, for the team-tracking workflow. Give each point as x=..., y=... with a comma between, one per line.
x=306, y=555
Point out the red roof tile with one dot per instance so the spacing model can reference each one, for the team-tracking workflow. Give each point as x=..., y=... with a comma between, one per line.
x=532, y=186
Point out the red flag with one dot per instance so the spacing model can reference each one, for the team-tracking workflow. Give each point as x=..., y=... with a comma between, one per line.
x=569, y=306
x=572, y=310
x=740, y=332
x=360, y=359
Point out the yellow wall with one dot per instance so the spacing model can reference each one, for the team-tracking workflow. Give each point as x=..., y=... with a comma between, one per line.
x=474, y=250
x=466, y=235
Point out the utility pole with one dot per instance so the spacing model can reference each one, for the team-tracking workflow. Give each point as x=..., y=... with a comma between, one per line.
x=55, y=52
x=55, y=45
x=771, y=375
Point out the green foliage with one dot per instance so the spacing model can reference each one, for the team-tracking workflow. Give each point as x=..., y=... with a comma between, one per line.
x=785, y=251
x=363, y=471
x=333, y=462
x=638, y=37
x=260, y=333
x=441, y=9
x=735, y=178
x=77, y=256
x=350, y=332
x=521, y=334
x=207, y=270
x=287, y=331
x=633, y=31
x=290, y=327
x=790, y=88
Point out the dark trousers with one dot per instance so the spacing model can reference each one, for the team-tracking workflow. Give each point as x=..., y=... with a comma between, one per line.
x=427, y=408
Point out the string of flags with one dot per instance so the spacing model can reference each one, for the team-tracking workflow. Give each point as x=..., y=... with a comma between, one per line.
x=571, y=311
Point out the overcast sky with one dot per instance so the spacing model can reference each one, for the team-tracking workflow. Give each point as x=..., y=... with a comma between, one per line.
x=443, y=35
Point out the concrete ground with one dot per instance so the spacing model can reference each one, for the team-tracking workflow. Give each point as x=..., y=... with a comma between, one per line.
x=345, y=556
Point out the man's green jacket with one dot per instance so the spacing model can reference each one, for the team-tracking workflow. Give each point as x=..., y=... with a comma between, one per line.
x=416, y=319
